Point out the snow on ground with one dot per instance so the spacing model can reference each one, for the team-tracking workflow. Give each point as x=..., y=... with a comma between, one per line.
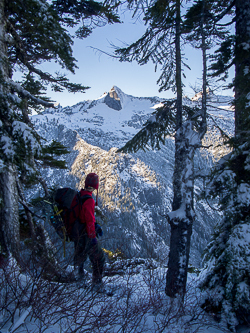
x=139, y=303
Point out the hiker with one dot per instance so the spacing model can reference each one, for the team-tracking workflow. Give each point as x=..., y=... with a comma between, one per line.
x=84, y=233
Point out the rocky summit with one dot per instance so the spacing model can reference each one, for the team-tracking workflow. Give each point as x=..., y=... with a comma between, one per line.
x=112, y=100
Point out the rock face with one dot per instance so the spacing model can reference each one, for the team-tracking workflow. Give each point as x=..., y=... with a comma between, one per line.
x=135, y=189
x=112, y=100
x=131, y=196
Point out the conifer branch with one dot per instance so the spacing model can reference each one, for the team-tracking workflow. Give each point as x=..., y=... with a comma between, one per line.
x=18, y=88
x=154, y=132
x=60, y=80
x=24, y=204
x=223, y=13
x=223, y=133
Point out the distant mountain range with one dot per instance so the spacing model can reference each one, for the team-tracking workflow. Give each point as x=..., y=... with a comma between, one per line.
x=135, y=189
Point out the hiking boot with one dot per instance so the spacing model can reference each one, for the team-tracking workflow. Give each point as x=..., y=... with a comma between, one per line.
x=82, y=278
x=82, y=284
x=98, y=287
x=81, y=274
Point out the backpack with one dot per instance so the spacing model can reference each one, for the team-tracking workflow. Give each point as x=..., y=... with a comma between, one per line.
x=67, y=203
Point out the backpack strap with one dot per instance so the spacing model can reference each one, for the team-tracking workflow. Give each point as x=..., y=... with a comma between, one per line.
x=79, y=202
x=82, y=199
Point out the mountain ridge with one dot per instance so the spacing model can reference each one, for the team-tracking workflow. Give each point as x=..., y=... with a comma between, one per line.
x=135, y=206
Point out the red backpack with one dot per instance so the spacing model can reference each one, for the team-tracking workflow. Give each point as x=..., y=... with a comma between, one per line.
x=67, y=206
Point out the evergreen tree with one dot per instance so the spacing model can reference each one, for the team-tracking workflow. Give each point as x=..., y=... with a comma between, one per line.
x=226, y=278
x=161, y=43
x=33, y=32
x=203, y=33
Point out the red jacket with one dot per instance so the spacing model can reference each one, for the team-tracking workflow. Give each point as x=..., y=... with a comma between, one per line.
x=87, y=214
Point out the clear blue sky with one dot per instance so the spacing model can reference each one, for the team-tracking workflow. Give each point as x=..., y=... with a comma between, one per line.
x=100, y=72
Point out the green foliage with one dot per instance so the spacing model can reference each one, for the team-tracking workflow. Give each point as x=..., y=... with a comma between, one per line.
x=154, y=132
x=19, y=142
x=37, y=33
x=193, y=270
x=225, y=281
x=161, y=125
x=37, y=37
x=201, y=18
x=156, y=14
x=55, y=148
x=34, y=32
x=37, y=89
x=229, y=175
x=49, y=154
x=157, y=43
x=226, y=284
x=72, y=13
x=223, y=57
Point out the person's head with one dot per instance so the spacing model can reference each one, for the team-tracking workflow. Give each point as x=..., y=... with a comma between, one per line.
x=92, y=183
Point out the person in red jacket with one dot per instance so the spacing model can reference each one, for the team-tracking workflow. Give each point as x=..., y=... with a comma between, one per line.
x=84, y=234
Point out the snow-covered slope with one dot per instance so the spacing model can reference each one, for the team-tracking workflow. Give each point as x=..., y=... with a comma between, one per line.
x=97, y=122
x=138, y=305
x=135, y=189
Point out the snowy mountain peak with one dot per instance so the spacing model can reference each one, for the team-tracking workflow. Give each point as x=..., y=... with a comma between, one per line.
x=114, y=98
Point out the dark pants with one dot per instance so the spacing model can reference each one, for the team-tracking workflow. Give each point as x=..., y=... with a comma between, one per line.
x=84, y=248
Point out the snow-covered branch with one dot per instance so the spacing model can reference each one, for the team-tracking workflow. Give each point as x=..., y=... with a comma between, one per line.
x=18, y=88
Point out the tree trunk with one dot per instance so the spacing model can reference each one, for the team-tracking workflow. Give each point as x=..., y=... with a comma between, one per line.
x=9, y=213
x=181, y=219
x=203, y=127
x=182, y=216
x=242, y=70
x=178, y=65
x=181, y=228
